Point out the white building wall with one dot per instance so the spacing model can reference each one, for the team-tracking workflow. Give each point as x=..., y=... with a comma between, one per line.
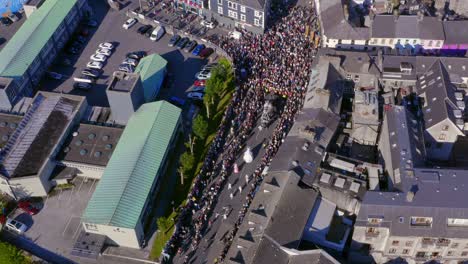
x=124, y=237
x=85, y=170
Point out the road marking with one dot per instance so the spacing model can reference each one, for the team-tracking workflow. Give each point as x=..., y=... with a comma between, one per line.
x=66, y=226
x=124, y=257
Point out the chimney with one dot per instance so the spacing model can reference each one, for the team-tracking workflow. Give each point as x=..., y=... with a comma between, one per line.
x=410, y=196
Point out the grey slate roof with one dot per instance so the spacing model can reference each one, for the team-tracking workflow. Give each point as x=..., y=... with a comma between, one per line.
x=256, y=4
x=389, y=26
x=334, y=24
x=456, y=32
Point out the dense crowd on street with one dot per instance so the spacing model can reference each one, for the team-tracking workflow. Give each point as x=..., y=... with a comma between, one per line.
x=277, y=62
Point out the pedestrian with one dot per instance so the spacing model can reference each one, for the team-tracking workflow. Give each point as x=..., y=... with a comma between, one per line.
x=231, y=195
x=240, y=189
x=229, y=186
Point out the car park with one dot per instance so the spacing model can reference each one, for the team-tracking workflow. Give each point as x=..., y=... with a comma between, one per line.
x=98, y=57
x=106, y=45
x=91, y=73
x=130, y=61
x=206, y=52
x=198, y=49
x=157, y=33
x=129, y=23
x=190, y=46
x=181, y=44
x=207, y=24
x=95, y=65
x=82, y=85
x=105, y=52
x=137, y=55
x=126, y=68
x=143, y=29
x=28, y=207
x=195, y=95
x=16, y=226
x=203, y=75
x=173, y=41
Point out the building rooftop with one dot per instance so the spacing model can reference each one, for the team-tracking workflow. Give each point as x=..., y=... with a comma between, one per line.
x=123, y=82
x=456, y=32
x=28, y=41
x=8, y=125
x=38, y=133
x=135, y=165
x=90, y=144
x=410, y=27
x=152, y=71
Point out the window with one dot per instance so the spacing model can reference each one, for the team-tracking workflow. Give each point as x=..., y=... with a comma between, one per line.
x=430, y=43
x=445, y=128
x=374, y=220
x=464, y=253
x=457, y=222
x=392, y=251
x=414, y=42
x=220, y=2
x=91, y=226
x=232, y=5
x=243, y=17
x=442, y=137
x=454, y=245
x=395, y=243
x=242, y=8
x=405, y=251
x=421, y=221
x=348, y=76
x=220, y=10
x=257, y=22
x=257, y=13
x=408, y=243
x=421, y=254
x=232, y=14
x=450, y=253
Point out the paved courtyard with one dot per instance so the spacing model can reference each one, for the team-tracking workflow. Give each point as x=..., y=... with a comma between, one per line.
x=7, y=32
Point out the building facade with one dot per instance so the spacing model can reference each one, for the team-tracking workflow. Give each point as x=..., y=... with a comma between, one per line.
x=25, y=58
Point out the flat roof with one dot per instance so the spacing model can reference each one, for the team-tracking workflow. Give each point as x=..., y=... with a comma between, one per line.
x=27, y=43
x=90, y=144
x=8, y=124
x=123, y=82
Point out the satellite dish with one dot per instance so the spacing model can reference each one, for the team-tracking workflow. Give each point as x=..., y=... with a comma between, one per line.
x=248, y=156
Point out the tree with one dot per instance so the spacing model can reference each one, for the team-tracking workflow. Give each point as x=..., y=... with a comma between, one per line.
x=12, y=255
x=200, y=127
x=162, y=223
x=187, y=161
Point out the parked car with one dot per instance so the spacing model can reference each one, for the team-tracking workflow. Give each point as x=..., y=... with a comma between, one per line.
x=54, y=75
x=106, y=45
x=209, y=67
x=173, y=41
x=206, y=52
x=137, y=55
x=90, y=23
x=143, y=29
x=157, y=34
x=200, y=89
x=91, y=73
x=235, y=34
x=129, y=23
x=190, y=46
x=80, y=39
x=82, y=85
x=5, y=21
x=13, y=17
x=126, y=68
x=84, y=32
x=105, y=52
x=181, y=44
x=207, y=24
x=130, y=61
x=195, y=95
x=198, y=49
x=84, y=78
x=177, y=101
x=199, y=83
x=149, y=32
x=98, y=57
x=203, y=75
x=16, y=226
x=28, y=207
x=95, y=65
x=73, y=50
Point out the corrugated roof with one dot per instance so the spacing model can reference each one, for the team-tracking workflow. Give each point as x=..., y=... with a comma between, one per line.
x=126, y=183
x=29, y=40
x=151, y=70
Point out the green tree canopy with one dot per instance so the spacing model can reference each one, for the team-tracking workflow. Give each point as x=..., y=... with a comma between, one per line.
x=12, y=255
x=200, y=127
x=187, y=161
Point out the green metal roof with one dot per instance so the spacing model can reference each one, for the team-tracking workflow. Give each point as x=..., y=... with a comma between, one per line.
x=121, y=193
x=32, y=36
x=152, y=70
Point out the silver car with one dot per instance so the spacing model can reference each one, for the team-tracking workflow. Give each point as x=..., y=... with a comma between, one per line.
x=16, y=226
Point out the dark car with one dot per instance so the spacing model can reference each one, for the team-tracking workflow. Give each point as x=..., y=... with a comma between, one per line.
x=206, y=52
x=90, y=23
x=5, y=21
x=174, y=40
x=198, y=49
x=137, y=55
x=28, y=207
x=80, y=39
x=82, y=85
x=148, y=33
x=143, y=29
x=73, y=50
x=190, y=46
x=182, y=43
x=91, y=72
x=177, y=101
x=126, y=68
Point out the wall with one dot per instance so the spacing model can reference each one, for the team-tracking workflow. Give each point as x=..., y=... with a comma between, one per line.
x=433, y=135
x=29, y=186
x=85, y=170
x=124, y=237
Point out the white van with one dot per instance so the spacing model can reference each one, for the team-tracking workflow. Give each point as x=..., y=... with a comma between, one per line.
x=235, y=34
x=157, y=33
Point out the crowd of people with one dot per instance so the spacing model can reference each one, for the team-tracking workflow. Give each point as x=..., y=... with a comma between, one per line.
x=277, y=62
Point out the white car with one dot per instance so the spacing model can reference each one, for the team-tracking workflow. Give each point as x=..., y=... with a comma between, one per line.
x=130, y=61
x=94, y=65
x=209, y=67
x=129, y=23
x=98, y=57
x=16, y=226
x=195, y=95
x=207, y=24
x=105, y=52
x=203, y=75
x=106, y=45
